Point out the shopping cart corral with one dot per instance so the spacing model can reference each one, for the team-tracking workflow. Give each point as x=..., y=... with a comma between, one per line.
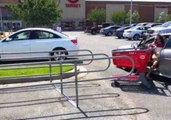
x=85, y=58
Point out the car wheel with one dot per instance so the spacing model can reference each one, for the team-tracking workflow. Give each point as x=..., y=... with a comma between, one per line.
x=115, y=84
x=59, y=54
x=109, y=33
x=93, y=32
x=129, y=39
x=119, y=37
x=136, y=37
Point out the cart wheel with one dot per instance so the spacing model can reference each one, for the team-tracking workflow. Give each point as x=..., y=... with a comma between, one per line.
x=115, y=84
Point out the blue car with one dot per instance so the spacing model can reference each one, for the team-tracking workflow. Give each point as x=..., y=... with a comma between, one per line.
x=119, y=31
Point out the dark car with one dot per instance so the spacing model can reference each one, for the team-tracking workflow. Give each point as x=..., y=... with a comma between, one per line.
x=93, y=28
x=119, y=31
x=164, y=62
x=110, y=30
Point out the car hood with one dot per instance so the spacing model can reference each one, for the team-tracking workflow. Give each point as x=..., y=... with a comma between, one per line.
x=129, y=29
x=157, y=28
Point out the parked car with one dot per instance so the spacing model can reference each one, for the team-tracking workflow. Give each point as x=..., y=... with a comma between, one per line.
x=120, y=31
x=37, y=40
x=94, y=29
x=110, y=30
x=134, y=33
x=165, y=60
x=145, y=42
x=142, y=24
x=149, y=25
x=164, y=28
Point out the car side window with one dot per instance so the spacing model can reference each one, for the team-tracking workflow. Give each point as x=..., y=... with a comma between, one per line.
x=168, y=44
x=25, y=35
x=43, y=35
x=140, y=28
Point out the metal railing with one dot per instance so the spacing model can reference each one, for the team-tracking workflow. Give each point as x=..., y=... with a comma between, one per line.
x=79, y=60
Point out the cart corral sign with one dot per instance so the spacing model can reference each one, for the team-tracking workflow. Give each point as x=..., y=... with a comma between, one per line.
x=73, y=4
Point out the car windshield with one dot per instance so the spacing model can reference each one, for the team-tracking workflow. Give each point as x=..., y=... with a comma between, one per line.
x=108, y=27
x=167, y=24
x=151, y=39
x=134, y=28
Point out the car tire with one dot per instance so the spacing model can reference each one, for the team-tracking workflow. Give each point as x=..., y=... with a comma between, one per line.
x=93, y=32
x=136, y=37
x=115, y=84
x=109, y=34
x=59, y=54
x=129, y=38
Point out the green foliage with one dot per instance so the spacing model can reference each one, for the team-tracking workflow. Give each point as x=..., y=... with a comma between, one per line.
x=118, y=17
x=163, y=17
x=135, y=17
x=37, y=12
x=169, y=17
x=97, y=15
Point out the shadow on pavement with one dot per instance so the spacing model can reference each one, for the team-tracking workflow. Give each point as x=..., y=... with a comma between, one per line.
x=81, y=114
x=32, y=88
x=97, y=113
x=162, y=86
x=55, y=100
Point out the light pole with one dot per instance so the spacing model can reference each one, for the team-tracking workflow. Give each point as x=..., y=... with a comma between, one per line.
x=1, y=17
x=130, y=19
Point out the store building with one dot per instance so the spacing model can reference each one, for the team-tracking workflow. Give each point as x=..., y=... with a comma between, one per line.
x=149, y=10
x=75, y=12
x=6, y=20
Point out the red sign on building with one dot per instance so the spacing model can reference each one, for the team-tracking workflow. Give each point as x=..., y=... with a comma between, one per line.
x=73, y=4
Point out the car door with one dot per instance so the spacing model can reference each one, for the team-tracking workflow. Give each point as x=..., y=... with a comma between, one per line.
x=17, y=43
x=41, y=42
x=165, y=60
x=141, y=30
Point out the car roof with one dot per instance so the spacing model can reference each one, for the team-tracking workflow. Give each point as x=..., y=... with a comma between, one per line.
x=45, y=29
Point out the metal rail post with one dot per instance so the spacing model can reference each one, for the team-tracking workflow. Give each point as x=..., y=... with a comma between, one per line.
x=61, y=78
x=76, y=85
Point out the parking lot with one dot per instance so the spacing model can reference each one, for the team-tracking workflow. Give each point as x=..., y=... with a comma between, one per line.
x=98, y=100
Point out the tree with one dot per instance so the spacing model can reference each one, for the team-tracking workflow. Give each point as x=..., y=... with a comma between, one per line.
x=163, y=17
x=118, y=17
x=37, y=12
x=135, y=16
x=169, y=17
x=97, y=15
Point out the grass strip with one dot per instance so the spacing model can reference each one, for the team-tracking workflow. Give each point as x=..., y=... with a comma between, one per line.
x=24, y=71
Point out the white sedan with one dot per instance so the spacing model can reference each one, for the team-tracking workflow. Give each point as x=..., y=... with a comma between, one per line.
x=135, y=32
x=39, y=40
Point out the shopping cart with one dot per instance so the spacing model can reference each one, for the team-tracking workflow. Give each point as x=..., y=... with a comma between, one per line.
x=141, y=58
